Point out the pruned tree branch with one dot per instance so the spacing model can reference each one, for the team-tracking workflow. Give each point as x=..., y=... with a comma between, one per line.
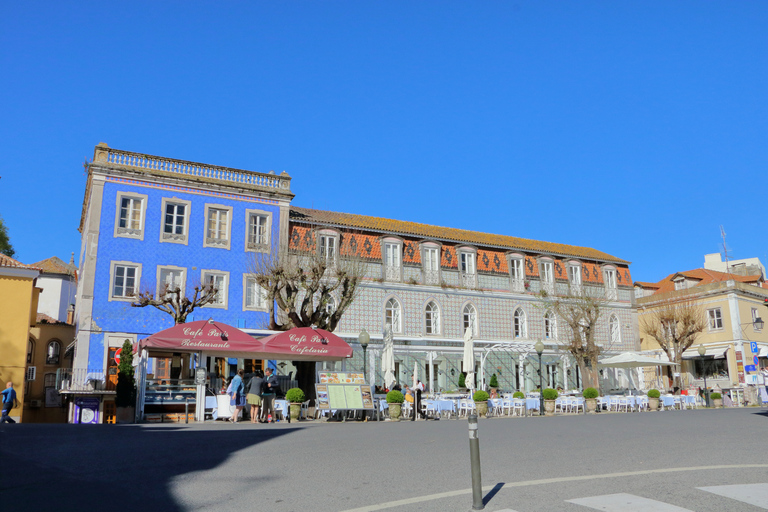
x=173, y=300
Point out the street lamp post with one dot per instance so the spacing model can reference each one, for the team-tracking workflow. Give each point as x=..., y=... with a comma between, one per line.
x=539, y=349
x=364, y=338
x=702, y=352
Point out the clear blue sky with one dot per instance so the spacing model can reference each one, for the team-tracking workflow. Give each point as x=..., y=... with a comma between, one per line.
x=637, y=128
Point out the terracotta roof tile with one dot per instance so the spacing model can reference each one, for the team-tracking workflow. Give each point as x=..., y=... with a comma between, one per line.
x=42, y=318
x=54, y=265
x=704, y=276
x=382, y=225
x=7, y=261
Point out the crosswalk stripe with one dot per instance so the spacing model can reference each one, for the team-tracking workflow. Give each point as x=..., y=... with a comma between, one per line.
x=753, y=494
x=626, y=503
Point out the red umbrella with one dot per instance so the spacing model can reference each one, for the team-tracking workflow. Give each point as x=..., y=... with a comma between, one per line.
x=205, y=336
x=305, y=344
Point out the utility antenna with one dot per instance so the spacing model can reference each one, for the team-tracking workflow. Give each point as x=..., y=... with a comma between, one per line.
x=725, y=250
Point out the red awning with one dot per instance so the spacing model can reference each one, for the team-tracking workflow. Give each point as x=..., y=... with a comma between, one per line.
x=202, y=336
x=305, y=344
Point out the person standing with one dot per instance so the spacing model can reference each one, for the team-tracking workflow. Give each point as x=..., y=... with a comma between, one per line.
x=254, y=395
x=237, y=395
x=9, y=402
x=417, y=390
x=268, y=395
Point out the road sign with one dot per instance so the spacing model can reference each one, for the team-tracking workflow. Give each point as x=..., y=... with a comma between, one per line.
x=753, y=346
x=750, y=368
x=756, y=361
x=117, y=355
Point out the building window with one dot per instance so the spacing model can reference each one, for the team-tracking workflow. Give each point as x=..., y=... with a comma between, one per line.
x=175, y=221
x=125, y=280
x=430, y=258
x=547, y=276
x=255, y=297
x=755, y=318
x=30, y=351
x=49, y=380
x=330, y=306
x=710, y=368
x=259, y=228
x=217, y=226
x=614, y=329
x=609, y=276
x=170, y=279
x=468, y=269
x=432, y=319
x=392, y=315
x=574, y=278
x=715, y=319
x=516, y=274
x=328, y=244
x=520, y=327
x=392, y=262
x=130, y=213
x=550, y=326
x=52, y=353
x=220, y=281
x=469, y=317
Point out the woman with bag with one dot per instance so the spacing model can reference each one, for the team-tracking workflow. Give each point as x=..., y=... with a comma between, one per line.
x=237, y=395
x=254, y=395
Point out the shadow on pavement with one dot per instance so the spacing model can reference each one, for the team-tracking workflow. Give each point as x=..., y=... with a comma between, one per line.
x=107, y=467
x=488, y=497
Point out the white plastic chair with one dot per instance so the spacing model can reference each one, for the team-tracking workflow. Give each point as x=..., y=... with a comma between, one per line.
x=623, y=403
x=577, y=403
x=518, y=406
x=613, y=403
x=506, y=406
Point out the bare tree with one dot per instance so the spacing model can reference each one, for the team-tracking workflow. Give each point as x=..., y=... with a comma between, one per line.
x=581, y=310
x=173, y=300
x=675, y=325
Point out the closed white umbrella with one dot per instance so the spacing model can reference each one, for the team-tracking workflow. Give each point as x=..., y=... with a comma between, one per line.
x=388, y=358
x=469, y=359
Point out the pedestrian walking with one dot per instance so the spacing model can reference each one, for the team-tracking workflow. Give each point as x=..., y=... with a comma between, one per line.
x=254, y=395
x=269, y=391
x=237, y=394
x=418, y=389
x=9, y=402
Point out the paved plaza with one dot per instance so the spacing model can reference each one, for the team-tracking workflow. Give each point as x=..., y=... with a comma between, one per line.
x=701, y=460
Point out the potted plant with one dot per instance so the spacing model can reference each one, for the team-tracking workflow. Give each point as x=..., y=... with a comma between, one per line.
x=481, y=402
x=494, y=384
x=462, y=383
x=717, y=399
x=125, y=391
x=518, y=394
x=295, y=396
x=395, y=400
x=653, y=399
x=590, y=397
x=550, y=395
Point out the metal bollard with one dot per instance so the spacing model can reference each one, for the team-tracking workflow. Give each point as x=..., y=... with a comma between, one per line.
x=474, y=458
x=186, y=410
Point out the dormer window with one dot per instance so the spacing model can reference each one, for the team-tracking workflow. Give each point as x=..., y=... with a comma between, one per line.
x=391, y=252
x=574, y=277
x=516, y=272
x=609, y=278
x=430, y=261
x=467, y=268
x=680, y=284
x=327, y=248
x=547, y=275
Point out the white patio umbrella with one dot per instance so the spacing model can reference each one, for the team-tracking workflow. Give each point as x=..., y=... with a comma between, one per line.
x=388, y=358
x=469, y=359
x=630, y=360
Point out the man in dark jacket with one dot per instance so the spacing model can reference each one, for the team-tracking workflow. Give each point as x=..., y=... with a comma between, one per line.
x=268, y=394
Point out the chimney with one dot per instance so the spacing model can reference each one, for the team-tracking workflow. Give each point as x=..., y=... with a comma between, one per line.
x=71, y=314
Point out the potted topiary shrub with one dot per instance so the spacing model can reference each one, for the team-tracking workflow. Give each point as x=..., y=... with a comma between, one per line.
x=494, y=384
x=295, y=396
x=717, y=399
x=590, y=397
x=518, y=394
x=653, y=399
x=395, y=400
x=462, y=383
x=481, y=402
x=550, y=395
x=125, y=391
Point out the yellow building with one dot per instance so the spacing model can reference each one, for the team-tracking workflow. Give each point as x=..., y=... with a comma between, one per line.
x=18, y=311
x=736, y=335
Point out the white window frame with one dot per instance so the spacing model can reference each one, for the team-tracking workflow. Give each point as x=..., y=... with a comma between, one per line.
x=614, y=329
x=391, y=259
x=220, y=243
x=574, y=271
x=430, y=257
x=328, y=247
x=547, y=274
x=30, y=374
x=130, y=232
x=755, y=316
x=223, y=302
x=469, y=310
x=174, y=238
x=516, y=267
x=550, y=326
x=397, y=328
x=249, y=280
x=519, y=324
x=467, y=267
x=609, y=279
x=432, y=320
x=48, y=346
x=263, y=245
x=171, y=268
x=715, y=316
x=137, y=280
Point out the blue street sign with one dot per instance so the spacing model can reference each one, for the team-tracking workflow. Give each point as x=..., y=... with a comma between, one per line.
x=755, y=360
x=750, y=368
x=753, y=346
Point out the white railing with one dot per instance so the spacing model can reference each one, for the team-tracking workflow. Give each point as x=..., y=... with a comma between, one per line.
x=468, y=280
x=611, y=294
x=548, y=287
x=431, y=277
x=518, y=285
x=392, y=273
x=155, y=163
x=82, y=379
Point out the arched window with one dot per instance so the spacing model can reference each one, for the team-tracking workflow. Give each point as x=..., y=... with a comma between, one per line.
x=550, y=326
x=520, y=326
x=30, y=351
x=52, y=354
x=615, y=329
x=392, y=315
x=432, y=319
x=469, y=316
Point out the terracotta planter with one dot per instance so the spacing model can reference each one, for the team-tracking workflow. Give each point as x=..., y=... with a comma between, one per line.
x=394, y=411
x=718, y=402
x=549, y=407
x=482, y=408
x=591, y=405
x=125, y=415
x=653, y=404
x=295, y=411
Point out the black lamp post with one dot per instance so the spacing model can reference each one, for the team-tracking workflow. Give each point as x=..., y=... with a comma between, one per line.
x=364, y=338
x=539, y=349
x=702, y=352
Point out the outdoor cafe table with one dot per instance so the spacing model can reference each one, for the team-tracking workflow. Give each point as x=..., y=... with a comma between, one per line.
x=532, y=403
